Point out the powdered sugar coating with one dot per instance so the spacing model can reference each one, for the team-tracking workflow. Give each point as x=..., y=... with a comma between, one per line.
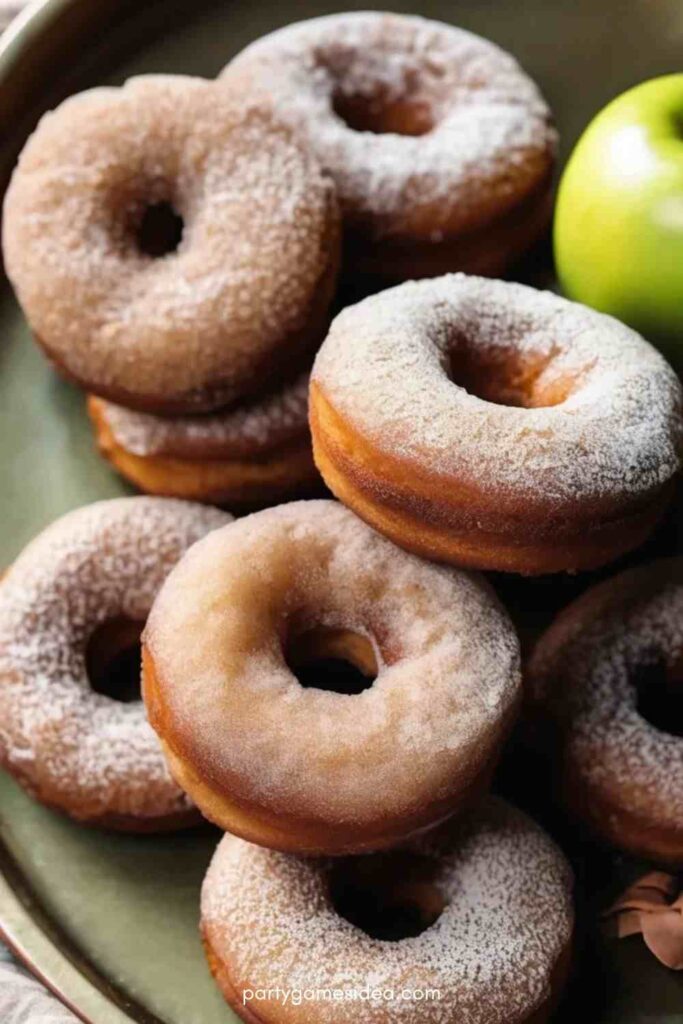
x=584, y=677
x=270, y=921
x=74, y=748
x=447, y=684
x=490, y=140
x=613, y=435
x=248, y=286
x=241, y=431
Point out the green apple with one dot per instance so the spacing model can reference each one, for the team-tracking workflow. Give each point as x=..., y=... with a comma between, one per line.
x=618, y=230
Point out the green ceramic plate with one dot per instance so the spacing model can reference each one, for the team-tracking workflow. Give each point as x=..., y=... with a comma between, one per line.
x=110, y=921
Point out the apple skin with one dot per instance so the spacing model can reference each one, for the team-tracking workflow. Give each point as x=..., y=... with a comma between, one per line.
x=618, y=231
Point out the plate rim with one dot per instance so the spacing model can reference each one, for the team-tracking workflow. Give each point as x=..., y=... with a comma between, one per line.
x=35, y=941
x=25, y=927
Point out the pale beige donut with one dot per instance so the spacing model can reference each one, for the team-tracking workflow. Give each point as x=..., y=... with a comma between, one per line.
x=441, y=147
x=246, y=431
x=488, y=424
x=255, y=453
x=494, y=895
x=245, y=293
x=91, y=756
x=300, y=768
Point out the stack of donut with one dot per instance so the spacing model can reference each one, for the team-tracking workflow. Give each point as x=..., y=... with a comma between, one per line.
x=176, y=253
x=177, y=245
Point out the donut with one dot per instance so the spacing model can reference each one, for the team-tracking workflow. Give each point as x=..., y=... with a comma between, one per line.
x=254, y=453
x=293, y=764
x=441, y=147
x=471, y=922
x=490, y=425
x=171, y=246
x=74, y=600
x=603, y=685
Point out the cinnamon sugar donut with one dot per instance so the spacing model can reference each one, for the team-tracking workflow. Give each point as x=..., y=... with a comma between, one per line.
x=441, y=148
x=249, y=454
x=607, y=658
x=301, y=768
x=485, y=907
x=245, y=291
x=75, y=597
x=494, y=426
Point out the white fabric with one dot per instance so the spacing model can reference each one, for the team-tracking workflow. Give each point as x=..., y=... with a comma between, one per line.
x=23, y=1000
x=8, y=9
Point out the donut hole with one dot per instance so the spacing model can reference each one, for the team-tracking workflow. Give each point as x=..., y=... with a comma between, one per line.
x=501, y=376
x=336, y=660
x=113, y=659
x=389, y=896
x=382, y=116
x=159, y=229
x=659, y=696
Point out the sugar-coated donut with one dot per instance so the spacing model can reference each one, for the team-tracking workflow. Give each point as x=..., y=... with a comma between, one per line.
x=300, y=768
x=245, y=292
x=485, y=904
x=491, y=425
x=254, y=453
x=83, y=588
x=592, y=674
x=442, y=149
